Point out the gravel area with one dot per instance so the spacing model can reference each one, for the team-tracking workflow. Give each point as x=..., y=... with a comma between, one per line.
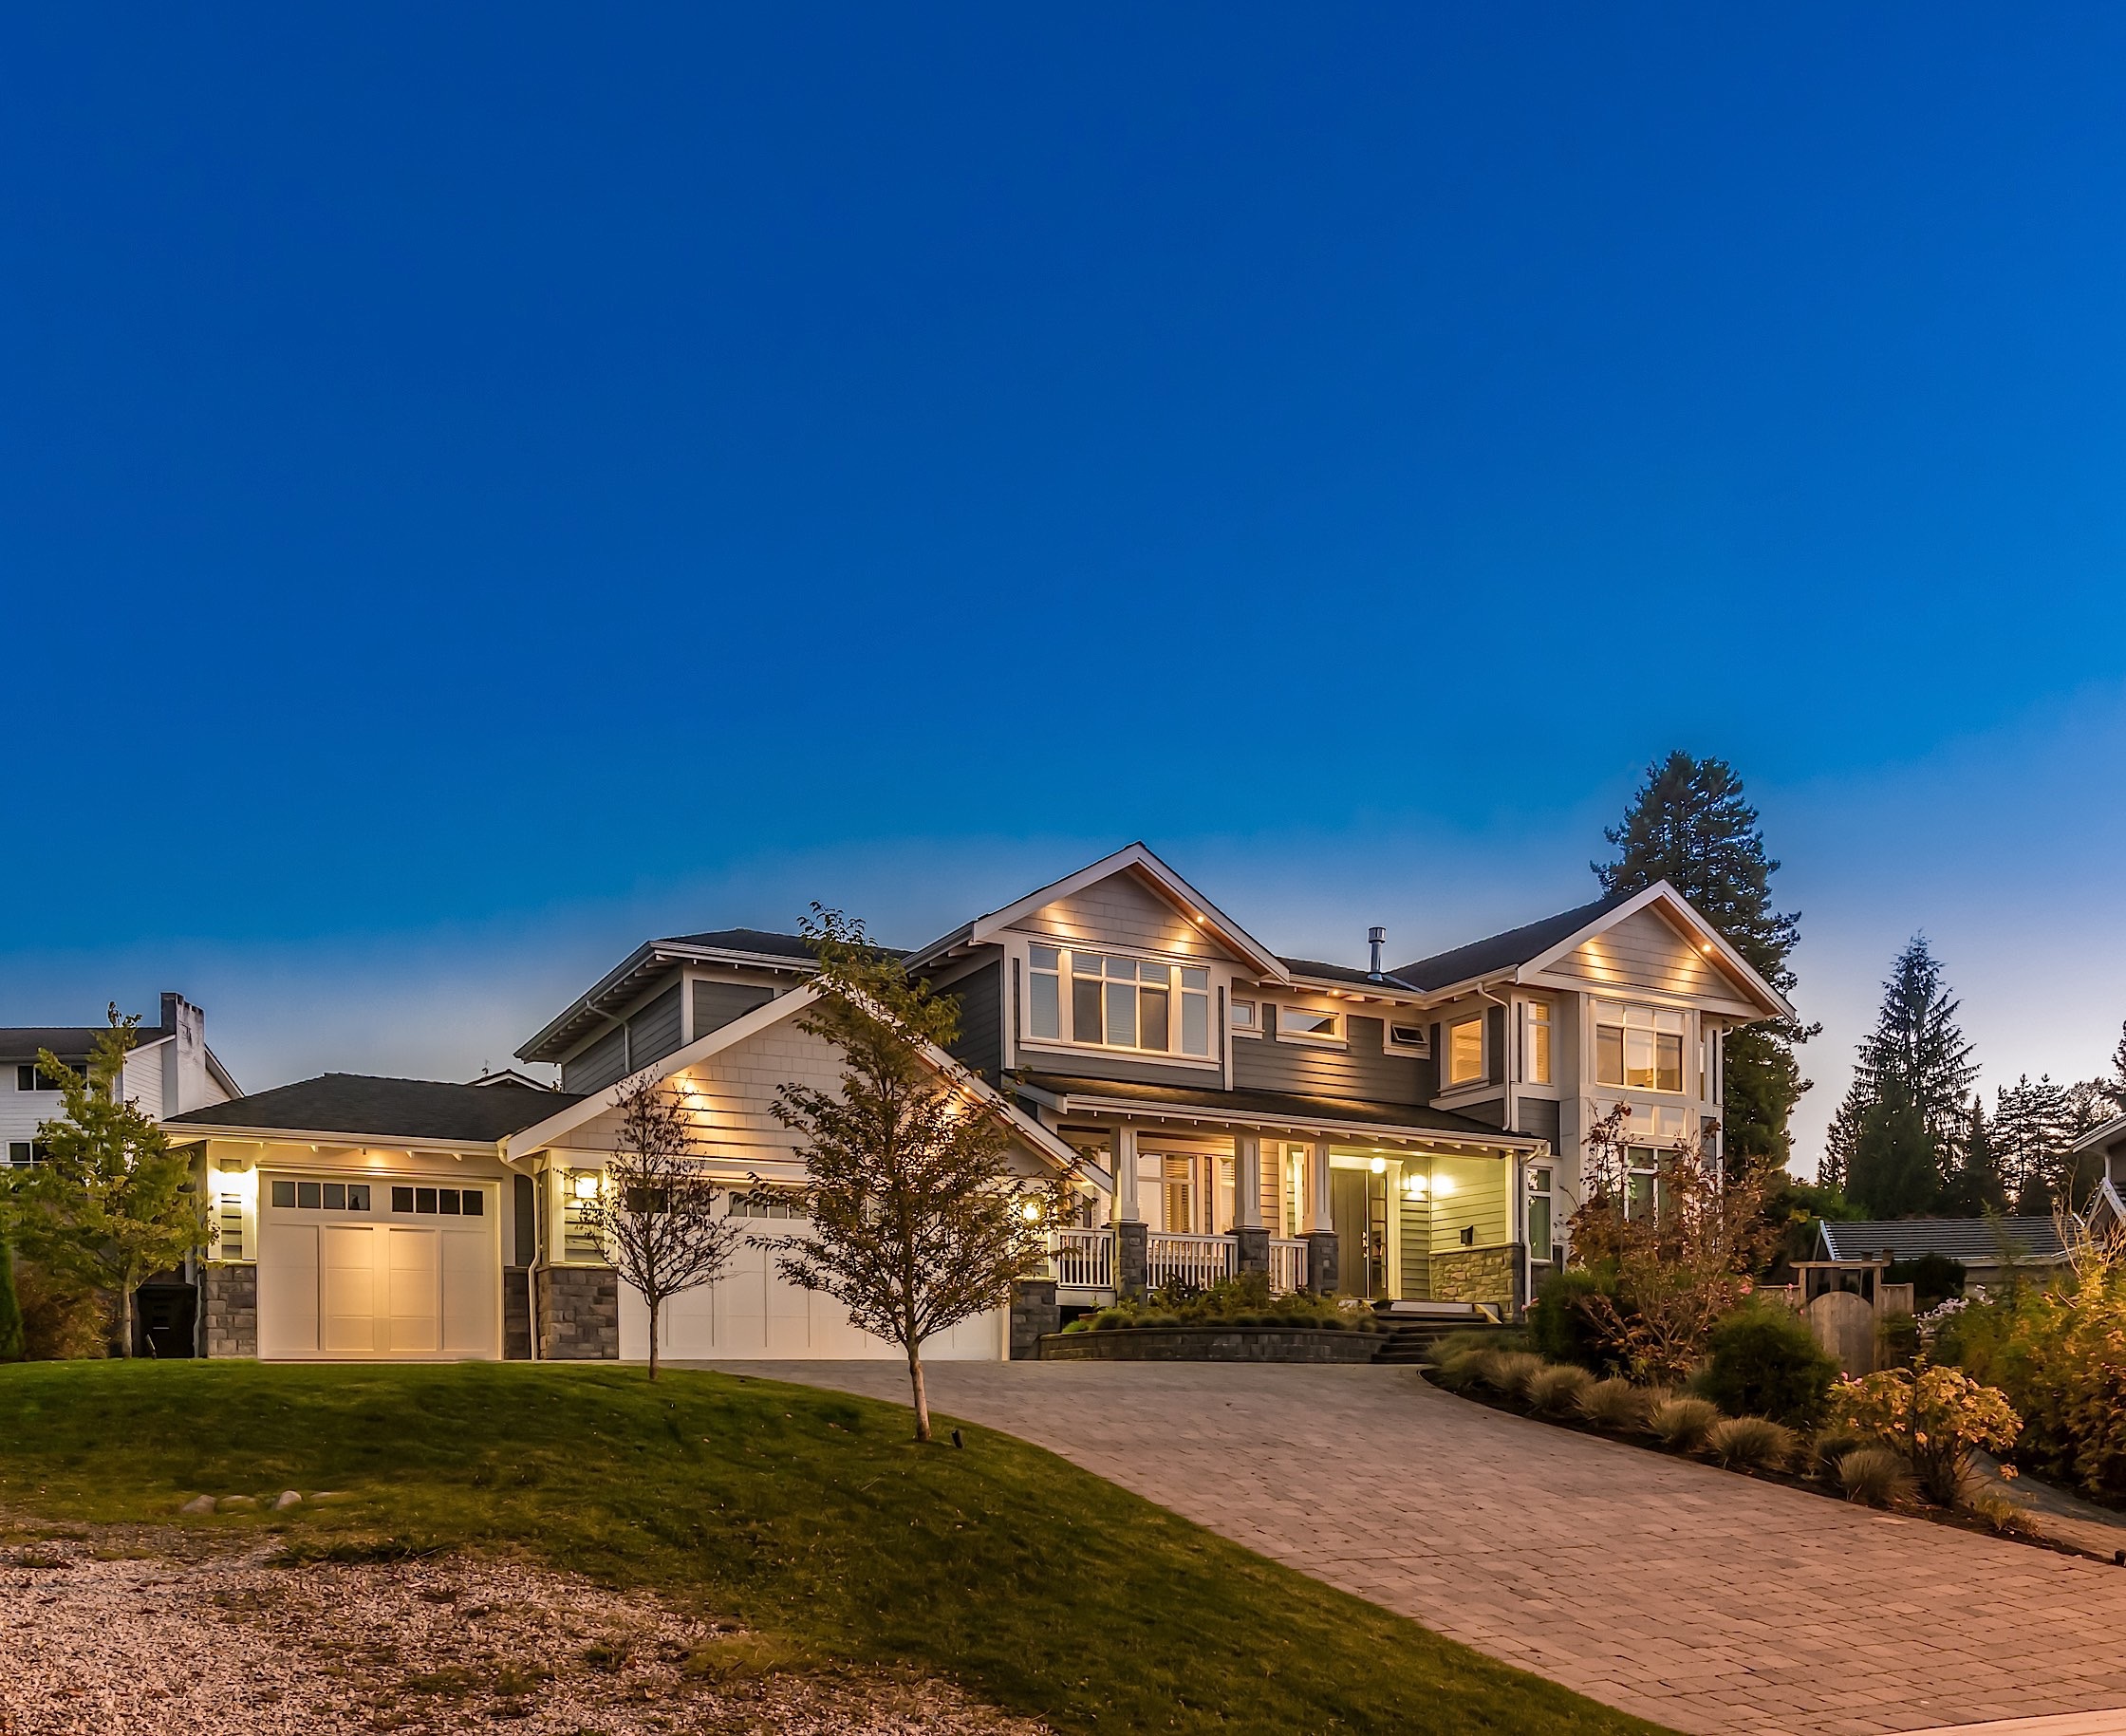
x=109, y=1633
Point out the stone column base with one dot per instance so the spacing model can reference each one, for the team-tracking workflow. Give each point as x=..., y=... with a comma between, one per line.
x=579, y=1313
x=1324, y=1270
x=1034, y=1315
x=1251, y=1249
x=517, y=1315
x=1132, y=1256
x=229, y=1310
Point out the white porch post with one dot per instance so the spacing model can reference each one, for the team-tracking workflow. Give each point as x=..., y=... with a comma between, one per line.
x=1321, y=1213
x=1127, y=1209
x=1247, y=1181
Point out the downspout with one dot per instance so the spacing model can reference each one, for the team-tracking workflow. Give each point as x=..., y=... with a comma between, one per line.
x=538, y=1244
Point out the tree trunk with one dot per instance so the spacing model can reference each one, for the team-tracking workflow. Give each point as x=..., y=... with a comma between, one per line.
x=656, y=1307
x=921, y=1397
x=124, y=1318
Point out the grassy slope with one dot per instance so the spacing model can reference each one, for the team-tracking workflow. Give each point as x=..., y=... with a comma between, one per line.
x=807, y=1515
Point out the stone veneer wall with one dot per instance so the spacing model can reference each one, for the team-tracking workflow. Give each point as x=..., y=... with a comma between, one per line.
x=579, y=1313
x=229, y=1310
x=1034, y=1315
x=1476, y=1275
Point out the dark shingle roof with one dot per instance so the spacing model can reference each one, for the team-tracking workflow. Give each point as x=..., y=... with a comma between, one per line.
x=1283, y=1105
x=1961, y=1238
x=69, y=1042
x=746, y=940
x=363, y=1107
x=1503, y=951
x=1342, y=973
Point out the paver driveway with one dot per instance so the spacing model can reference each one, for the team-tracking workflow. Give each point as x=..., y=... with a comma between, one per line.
x=1683, y=1594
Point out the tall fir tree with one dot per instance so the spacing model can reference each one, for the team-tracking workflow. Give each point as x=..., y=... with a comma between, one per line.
x=1690, y=825
x=1917, y=1048
x=1975, y=1186
x=2112, y=1087
x=1895, y=1169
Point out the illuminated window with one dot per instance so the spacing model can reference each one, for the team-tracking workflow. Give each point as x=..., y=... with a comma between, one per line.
x=1536, y=1049
x=1115, y=1003
x=1465, y=1052
x=1305, y=1021
x=1638, y=1047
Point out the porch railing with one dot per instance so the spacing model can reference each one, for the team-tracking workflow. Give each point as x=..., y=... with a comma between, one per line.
x=1084, y=1259
x=1288, y=1266
x=1196, y=1259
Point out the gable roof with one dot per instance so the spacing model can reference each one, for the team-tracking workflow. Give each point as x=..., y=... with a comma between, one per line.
x=1134, y=859
x=1524, y=952
x=1962, y=1238
x=359, y=1106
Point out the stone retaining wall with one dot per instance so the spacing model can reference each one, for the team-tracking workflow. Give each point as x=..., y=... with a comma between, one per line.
x=1212, y=1344
x=1479, y=1274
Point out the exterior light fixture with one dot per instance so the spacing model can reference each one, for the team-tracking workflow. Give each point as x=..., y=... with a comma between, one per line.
x=1030, y=1211
x=1414, y=1186
x=1379, y=1166
x=587, y=1186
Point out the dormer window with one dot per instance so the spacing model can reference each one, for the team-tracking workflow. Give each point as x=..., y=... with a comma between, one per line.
x=1114, y=1001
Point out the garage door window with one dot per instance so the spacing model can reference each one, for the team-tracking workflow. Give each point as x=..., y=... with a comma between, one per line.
x=448, y=1202
x=322, y=1196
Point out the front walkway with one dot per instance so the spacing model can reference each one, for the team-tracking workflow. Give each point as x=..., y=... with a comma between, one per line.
x=1690, y=1595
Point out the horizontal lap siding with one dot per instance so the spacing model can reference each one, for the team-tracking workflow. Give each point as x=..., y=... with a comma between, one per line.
x=716, y=1004
x=1098, y=1064
x=1360, y=1069
x=1643, y=951
x=1539, y=1117
x=1479, y=1198
x=654, y=1033
x=598, y=1066
x=1120, y=911
x=980, y=993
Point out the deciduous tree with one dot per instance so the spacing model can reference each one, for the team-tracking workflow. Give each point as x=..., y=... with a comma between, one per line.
x=1690, y=825
x=917, y=1219
x=109, y=1204
x=657, y=1212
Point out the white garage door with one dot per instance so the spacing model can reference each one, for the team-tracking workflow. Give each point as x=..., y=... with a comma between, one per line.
x=376, y=1269
x=752, y=1312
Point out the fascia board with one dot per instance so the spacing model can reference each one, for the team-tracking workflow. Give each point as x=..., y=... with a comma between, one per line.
x=1075, y=1102
x=315, y=1136
x=2101, y=1135
x=1677, y=908
x=1186, y=897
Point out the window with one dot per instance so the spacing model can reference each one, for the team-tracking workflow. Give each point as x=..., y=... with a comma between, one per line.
x=1539, y=1246
x=1243, y=1018
x=1119, y=1003
x=321, y=1196
x=29, y=1077
x=1638, y=1047
x=1535, y=1046
x=21, y=1153
x=441, y=1201
x=1465, y=1052
x=1412, y=1038
x=1306, y=1023
x=763, y=1202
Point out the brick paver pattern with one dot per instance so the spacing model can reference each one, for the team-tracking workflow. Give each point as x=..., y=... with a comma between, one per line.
x=1694, y=1596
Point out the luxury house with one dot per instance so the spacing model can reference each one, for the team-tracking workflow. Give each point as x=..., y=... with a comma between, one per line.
x=1412, y=1133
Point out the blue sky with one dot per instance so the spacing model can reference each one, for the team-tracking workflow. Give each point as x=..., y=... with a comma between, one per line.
x=479, y=487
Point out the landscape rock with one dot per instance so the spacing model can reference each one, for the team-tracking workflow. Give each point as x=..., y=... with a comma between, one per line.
x=198, y=1504
x=288, y=1497
x=236, y=1504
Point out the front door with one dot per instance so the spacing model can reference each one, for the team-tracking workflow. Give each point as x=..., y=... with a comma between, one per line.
x=1358, y=1207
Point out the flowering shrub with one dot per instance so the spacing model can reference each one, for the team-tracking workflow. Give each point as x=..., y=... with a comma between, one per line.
x=1935, y=1418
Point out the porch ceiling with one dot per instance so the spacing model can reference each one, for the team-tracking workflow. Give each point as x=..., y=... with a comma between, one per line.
x=1268, y=1111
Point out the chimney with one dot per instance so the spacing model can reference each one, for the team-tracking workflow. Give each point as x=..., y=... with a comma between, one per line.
x=1376, y=938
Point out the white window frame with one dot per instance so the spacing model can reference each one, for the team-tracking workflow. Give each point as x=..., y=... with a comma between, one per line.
x=1483, y=1074
x=1209, y=1060
x=1341, y=1039
x=1530, y=1023
x=1418, y=1046
x=1253, y=1026
x=1596, y=1024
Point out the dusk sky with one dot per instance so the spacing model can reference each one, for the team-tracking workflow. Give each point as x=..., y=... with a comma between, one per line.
x=479, y=487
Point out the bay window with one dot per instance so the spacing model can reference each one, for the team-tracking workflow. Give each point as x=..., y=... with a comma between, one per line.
x=1114, y=1002
x=1640, y=1047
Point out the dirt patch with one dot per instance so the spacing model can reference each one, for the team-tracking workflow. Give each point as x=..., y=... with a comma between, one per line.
x=99, y=1636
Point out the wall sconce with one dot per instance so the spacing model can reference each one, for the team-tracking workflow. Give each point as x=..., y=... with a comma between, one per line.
x=1414, y=1186
x=587, y=1185
x=1030, y=1211
x=1379, y=1166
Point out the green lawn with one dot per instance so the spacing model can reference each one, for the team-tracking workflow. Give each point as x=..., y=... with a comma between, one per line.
x=810, y=1517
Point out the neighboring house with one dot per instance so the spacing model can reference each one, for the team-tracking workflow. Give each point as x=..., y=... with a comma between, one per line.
x=169, y=1070
x=2105, y=1214
x=1987, y=1248
x=1405, y=1135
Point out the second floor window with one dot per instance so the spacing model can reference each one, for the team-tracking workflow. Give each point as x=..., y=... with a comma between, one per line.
x=1465, y=1052
x=1118, y=1003
x=1640, y=1047
x=1536, y=1048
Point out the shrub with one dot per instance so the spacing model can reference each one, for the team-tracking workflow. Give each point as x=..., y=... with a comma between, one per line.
x=61, y=1322
x=2001, y=1514
x=1613, y=1404
x=1751, y=1443
x=1559, y=1326
x=1933, y=1276
x=1897, y=1340
x=1829, y=1446
x=1682, y=1424
x=1875, y=1476
x=1556, y=1388
x=1935, y=1418
x=1507, y=1372
x=1766, y=1362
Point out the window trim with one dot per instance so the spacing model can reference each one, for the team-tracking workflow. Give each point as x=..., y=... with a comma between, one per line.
x=1419, y=1045
x=1530, y=1023
x=1254, y=1026
x=1211, y=1060
x=1450, y=1080
x=1314, y=1039
x=1596, y=1024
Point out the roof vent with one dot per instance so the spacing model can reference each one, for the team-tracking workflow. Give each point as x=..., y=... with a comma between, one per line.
x=1376, y=938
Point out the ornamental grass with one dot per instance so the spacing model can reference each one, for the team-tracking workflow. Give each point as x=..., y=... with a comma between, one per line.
x=1875, y=1477
x=1556, y=1389
x=1614, y=1405
x=1752, y=1443
x=1682, y=1424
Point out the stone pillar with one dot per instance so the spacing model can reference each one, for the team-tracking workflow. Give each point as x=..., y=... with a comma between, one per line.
x=1247, y=1181
x=229, y=1310
x=579, y=1313
x=1034, y=1315
x=1322, y=1274
x=517, y=1314
x=1133, y=1256
x=1252, y=1248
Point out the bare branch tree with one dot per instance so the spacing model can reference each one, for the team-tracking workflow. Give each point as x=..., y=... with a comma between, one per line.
x=918, y=1221
x=656, y=1212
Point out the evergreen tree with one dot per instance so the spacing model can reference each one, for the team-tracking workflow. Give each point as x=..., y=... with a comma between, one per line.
x=1916, y=1053
x=1895, y=1169
x=2112, y=1087
x=1836, y=1166
x=1689, y=824
x=2037, y=1126
x=1975, y=1186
